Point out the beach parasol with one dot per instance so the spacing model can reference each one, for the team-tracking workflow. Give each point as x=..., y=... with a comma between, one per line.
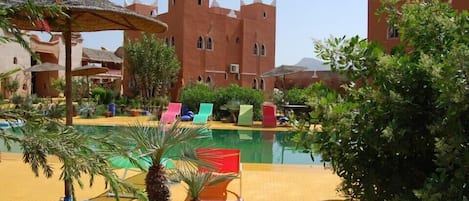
x=282, y=71
x=45, y=67
x=83, y=16
x=87, y=71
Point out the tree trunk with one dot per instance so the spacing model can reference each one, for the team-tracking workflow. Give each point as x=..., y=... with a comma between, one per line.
x=157, y=184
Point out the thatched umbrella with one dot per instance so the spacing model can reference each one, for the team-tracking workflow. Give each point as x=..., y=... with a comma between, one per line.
x=87, y=71
x=45, y=67
x=83, y=16
x=281, y=72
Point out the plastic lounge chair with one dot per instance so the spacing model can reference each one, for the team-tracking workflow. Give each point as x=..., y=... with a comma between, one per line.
x=169, y=116
x=245, y=115
x=218, y=192
x=205, y=111
x=222, y=161
x=269, y=118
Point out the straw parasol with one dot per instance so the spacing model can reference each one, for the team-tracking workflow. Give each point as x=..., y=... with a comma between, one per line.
x=45, y=67
x=282, y=71
x=87, y=71
x=83, y=16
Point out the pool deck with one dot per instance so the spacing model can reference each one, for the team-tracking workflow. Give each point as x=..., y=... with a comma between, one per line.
x=260, y=182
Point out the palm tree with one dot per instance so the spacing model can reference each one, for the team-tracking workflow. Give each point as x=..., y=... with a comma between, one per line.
x=160, y=141
x=197, y=181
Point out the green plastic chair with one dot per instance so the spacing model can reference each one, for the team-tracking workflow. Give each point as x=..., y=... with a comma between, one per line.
x=246, y=114
x=205, y=111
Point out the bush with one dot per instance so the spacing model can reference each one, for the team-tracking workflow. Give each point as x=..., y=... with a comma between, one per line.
x=244, y=95
x=193, y=95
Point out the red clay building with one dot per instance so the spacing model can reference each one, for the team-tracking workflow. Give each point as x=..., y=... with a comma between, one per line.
x=218, y=45
x=388, y=36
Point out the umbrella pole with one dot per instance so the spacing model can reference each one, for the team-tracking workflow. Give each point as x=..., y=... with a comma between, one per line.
x=88, y=88
x=68, y=92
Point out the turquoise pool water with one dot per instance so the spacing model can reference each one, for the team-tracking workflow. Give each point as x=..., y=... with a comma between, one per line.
x=272, y=147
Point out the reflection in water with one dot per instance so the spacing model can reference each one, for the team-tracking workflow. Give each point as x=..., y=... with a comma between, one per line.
x=273, y=147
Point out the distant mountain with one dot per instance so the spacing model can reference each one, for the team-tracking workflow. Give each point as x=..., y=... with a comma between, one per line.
x=313, y=64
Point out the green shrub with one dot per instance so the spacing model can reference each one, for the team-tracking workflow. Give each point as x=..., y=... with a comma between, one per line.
x=295, y=96
x=193, y=95
x=98, y=94
x=236, y=93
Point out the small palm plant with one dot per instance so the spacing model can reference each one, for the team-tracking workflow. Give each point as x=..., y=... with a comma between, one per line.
x=197, y=181
x=158, y=142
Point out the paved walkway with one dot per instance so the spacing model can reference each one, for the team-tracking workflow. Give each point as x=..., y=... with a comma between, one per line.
x=260, y=182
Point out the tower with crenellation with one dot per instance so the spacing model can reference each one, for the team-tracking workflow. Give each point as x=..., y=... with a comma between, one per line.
x=217, y=45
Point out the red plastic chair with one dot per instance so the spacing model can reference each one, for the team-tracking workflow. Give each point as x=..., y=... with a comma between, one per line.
x=222, y=161
x=269, y=118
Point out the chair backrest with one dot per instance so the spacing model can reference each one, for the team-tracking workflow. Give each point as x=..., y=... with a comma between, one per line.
x=174, y=107
x=269, y=110
x=221, y=160
x=206, y=108
x=246, y=114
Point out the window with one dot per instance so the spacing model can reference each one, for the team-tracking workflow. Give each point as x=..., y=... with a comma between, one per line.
x=200, y=43
x=153, y=13
x=209, y=44
x=237, y=40
x=265, y=15
x=167, y=42
x=226, y=76
x=238, y=76
x=200, y=78
x=254, y=84
x=255, y=50
x=173, y=2
x=263, y=50
x=15, y=60
x=262, y=85
x=199, y=2
x=393, y=32
x=208, y=80
x=172, y=41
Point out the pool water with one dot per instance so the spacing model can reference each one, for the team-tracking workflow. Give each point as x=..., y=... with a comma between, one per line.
x=272, y=147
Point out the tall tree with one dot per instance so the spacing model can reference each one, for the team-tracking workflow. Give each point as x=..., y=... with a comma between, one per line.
x=400, y=132
x=153, y=66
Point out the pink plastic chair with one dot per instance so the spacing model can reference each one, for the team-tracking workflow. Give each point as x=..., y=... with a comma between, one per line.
x=169, y=116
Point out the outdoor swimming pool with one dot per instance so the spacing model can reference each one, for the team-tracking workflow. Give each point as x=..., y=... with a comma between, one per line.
x=272, y=147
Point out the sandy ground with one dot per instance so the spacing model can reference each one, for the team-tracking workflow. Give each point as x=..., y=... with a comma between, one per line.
x=260, y=182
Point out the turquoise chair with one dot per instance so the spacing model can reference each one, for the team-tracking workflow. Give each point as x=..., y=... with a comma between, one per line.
x=205, y=111
x=246, y=114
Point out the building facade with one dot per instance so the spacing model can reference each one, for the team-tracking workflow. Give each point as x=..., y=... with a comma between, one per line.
x=217, y=45
x=13, y=56
x=388, y=35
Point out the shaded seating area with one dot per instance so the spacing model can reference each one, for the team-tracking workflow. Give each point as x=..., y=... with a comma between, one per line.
x=245, y=117
x=169, y=116
x=221, y=161
x=269, y=118
x=205, y=111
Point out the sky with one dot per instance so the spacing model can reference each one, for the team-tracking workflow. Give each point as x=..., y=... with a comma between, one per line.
x=299, y=23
